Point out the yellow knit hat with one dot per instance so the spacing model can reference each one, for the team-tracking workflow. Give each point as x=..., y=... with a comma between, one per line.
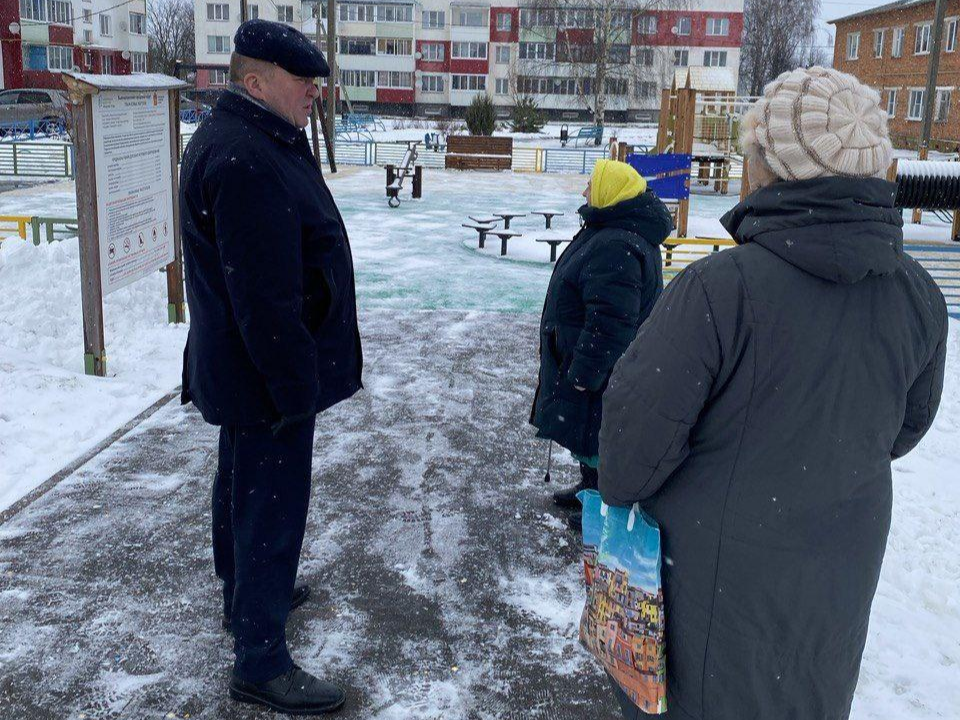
x=613, y=182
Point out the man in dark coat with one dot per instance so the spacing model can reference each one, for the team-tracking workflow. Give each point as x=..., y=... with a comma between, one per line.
x=273, y=341
x=756, y=415
x=603, y=287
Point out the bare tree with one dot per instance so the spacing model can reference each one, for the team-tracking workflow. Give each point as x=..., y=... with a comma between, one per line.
x=171, y=31
x=778, y=35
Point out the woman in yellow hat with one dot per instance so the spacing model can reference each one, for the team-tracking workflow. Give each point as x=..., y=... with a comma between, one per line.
x=603, y=287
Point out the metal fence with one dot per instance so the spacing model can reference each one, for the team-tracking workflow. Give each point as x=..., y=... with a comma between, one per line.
x=36, y=159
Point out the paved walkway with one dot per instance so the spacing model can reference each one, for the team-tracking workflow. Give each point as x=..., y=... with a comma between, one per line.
x=446, y=586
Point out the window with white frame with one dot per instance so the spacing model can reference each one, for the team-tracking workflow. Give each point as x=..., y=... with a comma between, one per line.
x=470, y=17
x=942, y=112
x=878, y=38
x=220, y=76
x=106, y=64
x=853, y=46
x=285, y=13
x=647, y=25
x=357, y=45
x=394, y=79
x=88, y=36
x=892, y=102
x=60, y=11
x=468, y=50
x=503, y=54
x=468, y=82
x=502, y=86
x=431, y=83
x=253, y=11
x=138, y=63
x=915, y=104
x=138, y=23
x=395, y=13
x=899, y=34
x=88, y=16
x=645, y=57
x=504, y=21
x=921, y=42
x=718, y=26
x=352, y=12
x=681, y=58
x=434, y=18
x=218, y=12
x=684, y=25
x=950, y=36
x=432, y=52
x=646, y=89
x=33, y=10
x=619, y=55
x=358, y=78
x=105, y=26
x=715, y=58
x=218, y=44
x=537, y=51
x=394, y=46
x=59, y=57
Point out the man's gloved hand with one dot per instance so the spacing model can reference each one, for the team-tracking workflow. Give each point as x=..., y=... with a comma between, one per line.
x=288, y=421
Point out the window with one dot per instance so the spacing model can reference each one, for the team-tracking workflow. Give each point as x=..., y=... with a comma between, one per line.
x=349, y=12
x=33, y=10
x=431, y=83
x=647, y=25
x=921, y=44
x=684, y=26
x=647, y=90
x=915, y=106
x=88, y=36
x=891, y=103
x=218, y=44
x=537, y=17
x=433, y=18
x=253, y=11
x=718, y=26
x=394, y=46
x=357, y=45
x=59, y=57
x=469, y=50
x=878, y=37
x=537, y=51
x=138, y=23
x=645, y=57
x=358, y=78
x=468, y=82
x=898, y=37
x=715, y=58
x=285, y=13
x=503, y=54
x=617, y=86
x=219, y=76
x=395, y=13
x=504, y=22
x=394, y=79
x=106, y=64
x=681, y=58
x=469, y=17
x=502, y=86
x=853, y=46
x=620, y=55
x=88, y=16
x=433, y=52
x=942, y=112
x=60, y=12
x=950, y=38
x=105, y=28
x=138, y=64
x=218, y=11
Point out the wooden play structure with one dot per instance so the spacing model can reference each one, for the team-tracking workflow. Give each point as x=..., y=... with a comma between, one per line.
x=932, y=186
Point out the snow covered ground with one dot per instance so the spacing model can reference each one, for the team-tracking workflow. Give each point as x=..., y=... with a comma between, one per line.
x=419, y=258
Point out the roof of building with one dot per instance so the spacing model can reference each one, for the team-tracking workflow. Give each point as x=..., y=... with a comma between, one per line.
x=888, y=7
x=706, y=79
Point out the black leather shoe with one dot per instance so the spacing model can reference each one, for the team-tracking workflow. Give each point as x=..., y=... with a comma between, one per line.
x=301, y=593
x=575, y=522
x=568, y=498
x=295, y=692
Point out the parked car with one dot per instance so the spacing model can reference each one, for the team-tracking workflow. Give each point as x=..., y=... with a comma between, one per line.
x=21, y=106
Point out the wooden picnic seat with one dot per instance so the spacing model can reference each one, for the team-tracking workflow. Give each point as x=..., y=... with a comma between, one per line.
x=470, y=152
x=554, y=243
x=481, y=228
x=504, y=236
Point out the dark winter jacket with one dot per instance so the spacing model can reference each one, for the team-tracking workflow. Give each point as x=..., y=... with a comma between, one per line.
x=603, y=286
x=269, y=275
x=755, y=417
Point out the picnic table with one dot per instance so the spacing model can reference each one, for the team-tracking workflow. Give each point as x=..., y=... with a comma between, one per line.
x=554, y=241
x=508, y=216
x=485, y=219
x=548, y=215
x=482, y=229
x=504, y=236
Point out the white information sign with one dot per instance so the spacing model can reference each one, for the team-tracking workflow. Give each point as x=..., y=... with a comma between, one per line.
x=131, y=146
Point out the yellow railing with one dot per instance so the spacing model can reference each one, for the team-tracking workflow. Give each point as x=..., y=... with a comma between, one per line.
x=18, y=222
x=677, y=253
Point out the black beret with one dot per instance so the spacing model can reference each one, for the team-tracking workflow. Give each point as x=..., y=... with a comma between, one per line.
x=281, y=45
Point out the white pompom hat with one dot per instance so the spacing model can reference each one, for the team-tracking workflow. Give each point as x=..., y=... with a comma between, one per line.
x=818, y=122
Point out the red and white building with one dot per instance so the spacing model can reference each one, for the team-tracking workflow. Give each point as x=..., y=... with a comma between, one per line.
x=433, y=57
x=41, y=38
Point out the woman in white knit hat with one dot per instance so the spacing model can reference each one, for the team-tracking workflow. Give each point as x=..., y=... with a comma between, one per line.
x=756, y=414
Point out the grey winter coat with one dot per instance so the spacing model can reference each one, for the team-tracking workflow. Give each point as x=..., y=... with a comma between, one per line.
x=755, y=417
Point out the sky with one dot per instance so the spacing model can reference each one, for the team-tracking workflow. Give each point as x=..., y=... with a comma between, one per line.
x=833, y=9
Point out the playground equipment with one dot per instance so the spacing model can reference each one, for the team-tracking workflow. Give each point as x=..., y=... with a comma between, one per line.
x=929, y=185
x=668, y=175
x=407, y=169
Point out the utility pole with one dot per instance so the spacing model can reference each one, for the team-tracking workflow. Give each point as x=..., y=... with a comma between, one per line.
x=327, y=128
x=332, y=62
x=933, y=67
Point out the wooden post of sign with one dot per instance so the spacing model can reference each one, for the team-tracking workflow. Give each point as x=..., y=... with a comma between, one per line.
x=663, y=125
x=917, y=212
x=91, y=292
x=683, y=145
x=176, y=303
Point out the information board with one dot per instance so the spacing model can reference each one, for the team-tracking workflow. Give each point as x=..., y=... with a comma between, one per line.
x=134, y=185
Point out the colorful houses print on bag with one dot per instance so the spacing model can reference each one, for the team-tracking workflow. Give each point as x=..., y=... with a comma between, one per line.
x=622, y=623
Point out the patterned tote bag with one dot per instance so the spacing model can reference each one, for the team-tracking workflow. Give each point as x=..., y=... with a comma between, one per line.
x=622, y=623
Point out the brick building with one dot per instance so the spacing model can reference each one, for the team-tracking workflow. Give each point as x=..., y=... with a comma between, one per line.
x=889, y=49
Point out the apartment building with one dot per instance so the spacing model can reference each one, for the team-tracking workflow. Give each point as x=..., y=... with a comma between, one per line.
x=42, y=38
x=889, y=49
x=434, y=56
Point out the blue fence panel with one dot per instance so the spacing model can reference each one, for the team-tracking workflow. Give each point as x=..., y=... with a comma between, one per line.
x=943, y=264
x=571, y=160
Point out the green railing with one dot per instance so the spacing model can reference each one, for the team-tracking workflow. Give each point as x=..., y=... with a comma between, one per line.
x=36, y=159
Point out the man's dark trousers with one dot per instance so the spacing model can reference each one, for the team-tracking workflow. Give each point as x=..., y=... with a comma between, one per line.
x=260, y=498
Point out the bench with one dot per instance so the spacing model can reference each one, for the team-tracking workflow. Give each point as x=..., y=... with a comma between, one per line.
x=554, y=243
x=475, y=152
x=504, y=236
x=482, y=229
x=593, y=133
x=548, y=215
x=508, y=216
x=365, y=120
x=434, y=141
